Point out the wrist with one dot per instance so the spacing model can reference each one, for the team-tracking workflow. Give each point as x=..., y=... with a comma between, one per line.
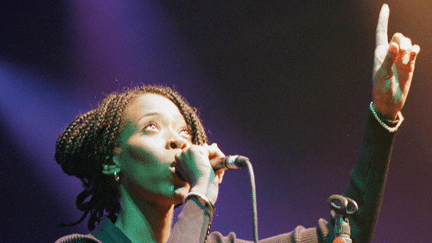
x=207, y=187
x=201, y=197
x=385, y=113
x=390, y=125
x=200, y=186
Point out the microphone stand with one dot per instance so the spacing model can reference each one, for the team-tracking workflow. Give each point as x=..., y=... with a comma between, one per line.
x=342, y=206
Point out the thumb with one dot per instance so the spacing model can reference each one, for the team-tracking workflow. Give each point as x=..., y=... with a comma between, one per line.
x=392, y=54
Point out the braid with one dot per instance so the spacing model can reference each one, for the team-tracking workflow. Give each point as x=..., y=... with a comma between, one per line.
x=88, y=144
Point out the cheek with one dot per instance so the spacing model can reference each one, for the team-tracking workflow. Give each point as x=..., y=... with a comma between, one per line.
x=139, y=155
x=146, y=165
x=148, y=176
x=145, y=151
x=142, y=162
x=149, y=181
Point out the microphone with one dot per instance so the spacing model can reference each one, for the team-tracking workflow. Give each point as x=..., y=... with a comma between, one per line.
x=231, y=162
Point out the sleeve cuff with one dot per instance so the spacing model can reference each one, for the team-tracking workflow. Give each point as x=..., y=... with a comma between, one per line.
x=391, y=126
x=202, y=199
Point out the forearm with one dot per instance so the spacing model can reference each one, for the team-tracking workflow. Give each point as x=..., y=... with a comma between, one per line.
x=193, y=223
x=368, y=179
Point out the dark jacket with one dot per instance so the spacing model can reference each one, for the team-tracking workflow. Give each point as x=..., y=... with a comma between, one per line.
x=366, y=187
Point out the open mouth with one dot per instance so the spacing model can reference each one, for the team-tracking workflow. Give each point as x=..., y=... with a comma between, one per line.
x=178, y=176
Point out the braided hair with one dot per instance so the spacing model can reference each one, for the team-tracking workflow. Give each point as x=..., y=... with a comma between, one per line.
x=88, y=143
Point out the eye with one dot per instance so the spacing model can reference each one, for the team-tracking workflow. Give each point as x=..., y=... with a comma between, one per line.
x=185, y=132
x=151, y=127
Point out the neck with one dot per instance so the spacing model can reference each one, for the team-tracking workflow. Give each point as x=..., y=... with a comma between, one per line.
x=144, y=222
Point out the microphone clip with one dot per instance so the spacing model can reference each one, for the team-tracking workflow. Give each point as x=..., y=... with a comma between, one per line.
x=342, y=206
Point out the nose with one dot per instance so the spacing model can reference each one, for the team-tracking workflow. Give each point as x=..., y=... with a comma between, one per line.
x=177, y=143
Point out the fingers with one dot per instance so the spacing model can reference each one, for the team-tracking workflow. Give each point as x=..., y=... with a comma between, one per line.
x=392, y=54
x=389, y=59
x=407, y=52
x=381, y=29
x=219, y=175
x=405, y=47
x=193, y=164
x=400, y=47
x=215, y=155
x=215, y=152
x=201, y=155
x=400, y=51
x=414, y=53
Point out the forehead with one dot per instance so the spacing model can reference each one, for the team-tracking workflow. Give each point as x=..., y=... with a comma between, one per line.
x=149, y=103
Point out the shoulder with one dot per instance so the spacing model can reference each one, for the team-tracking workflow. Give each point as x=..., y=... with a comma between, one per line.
x=78, y=238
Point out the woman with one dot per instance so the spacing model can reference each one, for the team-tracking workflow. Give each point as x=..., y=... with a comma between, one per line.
x=129, y=148
x=148, y=147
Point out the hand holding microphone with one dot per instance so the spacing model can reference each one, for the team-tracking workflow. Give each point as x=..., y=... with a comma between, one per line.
x=217, y=159
x=203, y=168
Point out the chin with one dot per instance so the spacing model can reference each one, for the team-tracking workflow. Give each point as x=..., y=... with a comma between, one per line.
x=181, y=192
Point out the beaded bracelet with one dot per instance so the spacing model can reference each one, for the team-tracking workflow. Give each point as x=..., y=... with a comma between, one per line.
x=387, y=127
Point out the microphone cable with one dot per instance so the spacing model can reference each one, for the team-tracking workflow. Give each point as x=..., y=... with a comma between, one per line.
x=254, y=201
x=237, y=162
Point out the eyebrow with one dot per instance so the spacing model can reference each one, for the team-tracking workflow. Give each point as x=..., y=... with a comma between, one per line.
x=148, y=115
x=152, y=114
x=159, y=114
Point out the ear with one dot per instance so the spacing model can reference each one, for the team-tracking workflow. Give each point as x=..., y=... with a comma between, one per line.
x=115, y=158
x=110, y=169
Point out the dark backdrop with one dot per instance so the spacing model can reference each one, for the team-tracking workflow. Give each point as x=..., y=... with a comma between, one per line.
x=286, y=83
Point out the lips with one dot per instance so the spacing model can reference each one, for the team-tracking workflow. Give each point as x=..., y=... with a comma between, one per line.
x=178, y=178
x=177, y=174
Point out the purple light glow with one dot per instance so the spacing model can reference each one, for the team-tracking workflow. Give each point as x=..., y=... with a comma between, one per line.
x=285, y=83
x=34, y=116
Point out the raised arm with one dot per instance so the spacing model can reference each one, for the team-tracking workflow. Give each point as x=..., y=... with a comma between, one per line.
x=393, y=70
x=394, y=64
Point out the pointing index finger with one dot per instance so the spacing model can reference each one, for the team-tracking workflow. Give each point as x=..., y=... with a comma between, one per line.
x=381, y=29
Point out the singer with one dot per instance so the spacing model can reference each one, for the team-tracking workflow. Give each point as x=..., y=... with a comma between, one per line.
x=147, y=147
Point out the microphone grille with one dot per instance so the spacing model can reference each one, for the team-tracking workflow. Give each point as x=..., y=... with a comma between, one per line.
x=236, y=161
